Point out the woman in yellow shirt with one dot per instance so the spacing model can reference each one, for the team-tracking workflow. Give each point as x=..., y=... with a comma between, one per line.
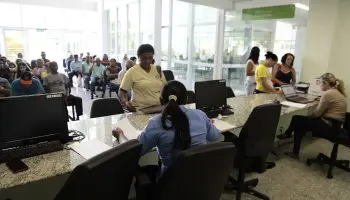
x=263, y=76
x=145, y=81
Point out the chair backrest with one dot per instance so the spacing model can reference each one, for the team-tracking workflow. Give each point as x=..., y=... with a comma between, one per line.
x=105, y=176
x=229, y=93
x=191, y=97
x=258, y=133
x=106, y=107
x=346, y=125
x=169, y=75
x=197, y=173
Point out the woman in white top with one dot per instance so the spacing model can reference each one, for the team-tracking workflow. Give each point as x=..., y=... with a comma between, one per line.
x=252, y=62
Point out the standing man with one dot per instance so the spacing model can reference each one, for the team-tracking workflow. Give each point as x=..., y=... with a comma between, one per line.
x=58, y=83
x=76, y=67
x=97, y=72
x=43, y=56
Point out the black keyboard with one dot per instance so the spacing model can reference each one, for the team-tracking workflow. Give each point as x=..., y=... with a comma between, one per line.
x=30, y=150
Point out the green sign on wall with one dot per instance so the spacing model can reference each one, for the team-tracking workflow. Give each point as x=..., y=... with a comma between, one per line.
x=272, y=12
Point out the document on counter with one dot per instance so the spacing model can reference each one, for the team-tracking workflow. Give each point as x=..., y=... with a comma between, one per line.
x=130, y=132
x=292, y=104
x=89, y=148
x=223, y=126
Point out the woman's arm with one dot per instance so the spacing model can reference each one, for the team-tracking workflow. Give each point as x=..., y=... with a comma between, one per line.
x=322, y=106
x=268, y=87
x=294, y=79
x=274, y=73
x=250, y=69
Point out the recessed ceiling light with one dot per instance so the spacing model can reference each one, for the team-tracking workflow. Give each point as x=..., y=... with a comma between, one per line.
x=302, y=6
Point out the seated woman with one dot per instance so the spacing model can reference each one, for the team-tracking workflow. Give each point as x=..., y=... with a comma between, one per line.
x=21, y=68
x=144, y=80
x=263, y=77
x=177, y=128
x=328, y=115
x=284, y=73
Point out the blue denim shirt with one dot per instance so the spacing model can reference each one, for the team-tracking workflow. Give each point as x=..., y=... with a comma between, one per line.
x=201, y=130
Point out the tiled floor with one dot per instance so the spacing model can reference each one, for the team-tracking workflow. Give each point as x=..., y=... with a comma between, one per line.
x=290, y=179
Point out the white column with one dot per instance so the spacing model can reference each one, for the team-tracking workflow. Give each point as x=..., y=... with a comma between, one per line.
x=139, y=25
x=170, y=34
x=219, y=44
x=127, y=29
x=190, y=45
x=116, y=34
x=103, y=28
x=158, y=32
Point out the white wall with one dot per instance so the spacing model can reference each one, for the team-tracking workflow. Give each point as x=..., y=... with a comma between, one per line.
x=327, y=41
x=319, y=38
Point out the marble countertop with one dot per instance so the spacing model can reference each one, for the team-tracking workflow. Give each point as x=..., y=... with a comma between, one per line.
x=62, y=162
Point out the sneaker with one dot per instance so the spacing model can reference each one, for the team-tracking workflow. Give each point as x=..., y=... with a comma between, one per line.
x=292, y=155
x=284, y=136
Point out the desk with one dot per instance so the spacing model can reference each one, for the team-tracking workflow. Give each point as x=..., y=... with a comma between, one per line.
x=61, y=163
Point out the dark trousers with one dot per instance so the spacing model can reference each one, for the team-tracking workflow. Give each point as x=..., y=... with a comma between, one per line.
x=73, y=73
x=300, y=125
x=77, y=102
x=97, y=82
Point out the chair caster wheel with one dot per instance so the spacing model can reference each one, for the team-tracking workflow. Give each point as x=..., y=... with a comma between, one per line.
x=330, y=176
x=309, y=163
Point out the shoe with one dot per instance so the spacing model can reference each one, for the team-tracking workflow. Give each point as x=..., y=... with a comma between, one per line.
x=292, y=155
x=103, y=96
x=92, y=97
x=284, y=136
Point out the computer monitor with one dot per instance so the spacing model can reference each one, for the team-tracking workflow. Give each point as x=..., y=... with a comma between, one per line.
x=210, y=95
x=33, y=119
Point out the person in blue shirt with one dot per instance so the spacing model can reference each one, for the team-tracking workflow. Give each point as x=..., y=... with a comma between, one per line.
x=177, y=128
x=26, y=85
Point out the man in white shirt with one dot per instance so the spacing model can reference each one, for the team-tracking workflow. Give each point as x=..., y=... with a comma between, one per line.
x=97, y=78
x=76, y=67
x=129, y=64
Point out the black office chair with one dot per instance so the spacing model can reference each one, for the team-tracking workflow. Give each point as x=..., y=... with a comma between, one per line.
x=169, y=75
x=106, y=176
x=341, y=136
x=197, y=173
x=191, y=97
x=254, y=144
x=229, y=93
x=106, y=107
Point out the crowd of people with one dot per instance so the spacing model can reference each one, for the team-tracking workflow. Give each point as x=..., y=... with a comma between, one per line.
x=20, y=78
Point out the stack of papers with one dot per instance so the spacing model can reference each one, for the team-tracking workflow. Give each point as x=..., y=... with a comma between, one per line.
x=292, y=104
x=223, y=126
x=90, y=148
x=130, y=132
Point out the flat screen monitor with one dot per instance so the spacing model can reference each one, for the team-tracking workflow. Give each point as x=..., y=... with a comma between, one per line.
x=33, y=119
x=210, y=95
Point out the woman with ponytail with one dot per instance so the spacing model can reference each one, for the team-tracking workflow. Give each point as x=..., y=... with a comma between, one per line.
x=177, y=128
x=328, y=115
